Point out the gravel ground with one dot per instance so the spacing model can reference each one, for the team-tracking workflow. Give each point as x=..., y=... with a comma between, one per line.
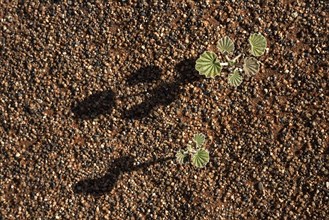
x=96, y=98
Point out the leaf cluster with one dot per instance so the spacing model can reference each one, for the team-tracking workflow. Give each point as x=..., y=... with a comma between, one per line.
x=199, y=156
x=209, y=65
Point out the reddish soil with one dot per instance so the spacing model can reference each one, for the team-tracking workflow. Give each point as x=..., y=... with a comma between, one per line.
x=96, y=98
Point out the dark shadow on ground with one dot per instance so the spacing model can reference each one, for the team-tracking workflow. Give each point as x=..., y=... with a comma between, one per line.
x=105, y=184
x=166, y=92
x=147, y=74
x=100, y=103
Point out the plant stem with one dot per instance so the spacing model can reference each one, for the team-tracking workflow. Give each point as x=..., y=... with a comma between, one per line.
x=227, y=58
x=192, y=151
x=237, y=57
x=234, y=59
x=223, y=64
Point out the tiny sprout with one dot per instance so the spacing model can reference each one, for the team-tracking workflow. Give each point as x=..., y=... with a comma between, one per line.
x=199, y=156
x=209, y=65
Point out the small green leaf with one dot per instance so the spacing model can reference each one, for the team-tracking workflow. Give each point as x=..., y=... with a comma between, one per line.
x=200, y=158
x=208, y=65
x=199, y=139
x=181, y=156
x=258, y=44
x=225, y=44
x=251, y=66
x=235, y=79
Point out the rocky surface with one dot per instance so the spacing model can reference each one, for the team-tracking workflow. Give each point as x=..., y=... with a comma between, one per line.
x=96, y=98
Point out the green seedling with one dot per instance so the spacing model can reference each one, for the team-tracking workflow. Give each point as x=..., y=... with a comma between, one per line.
x=198, y=155
x=209, y=65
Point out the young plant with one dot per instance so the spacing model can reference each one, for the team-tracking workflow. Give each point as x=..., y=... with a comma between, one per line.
x=209, y=65
x=199, y=155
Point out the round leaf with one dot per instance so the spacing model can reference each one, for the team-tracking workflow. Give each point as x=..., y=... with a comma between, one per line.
x=181, y=157
x=235, y=79
x=251, y=66
x=199, y=139
x=208, y=65
x=258, y=44
x=200, y=158
x=225, y=44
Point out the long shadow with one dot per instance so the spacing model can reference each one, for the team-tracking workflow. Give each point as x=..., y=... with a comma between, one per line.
x=147, y=74
x=105, y=184
x=100, y=103
x=166, y=92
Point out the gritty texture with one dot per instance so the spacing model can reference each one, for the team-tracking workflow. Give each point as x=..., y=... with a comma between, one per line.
x=96, y=98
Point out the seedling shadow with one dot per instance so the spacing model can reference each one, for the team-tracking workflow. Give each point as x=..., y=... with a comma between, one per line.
x=100, y=103
x=147, y=74
x=165, y=93
x=105, y=184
